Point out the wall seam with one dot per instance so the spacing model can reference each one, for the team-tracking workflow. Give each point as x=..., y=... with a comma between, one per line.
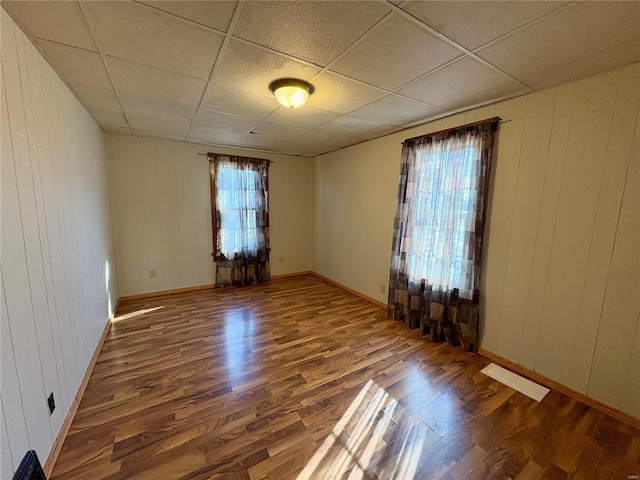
x=593, y=229
x=555, y=224
x=546, y=163
x=515, y=193
x=613, y=249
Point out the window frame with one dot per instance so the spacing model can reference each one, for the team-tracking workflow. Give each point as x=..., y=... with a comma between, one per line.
x=260, y=168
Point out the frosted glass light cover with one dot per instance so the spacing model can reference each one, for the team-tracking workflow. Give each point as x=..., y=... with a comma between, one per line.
x=291, y=92
x=291, y=97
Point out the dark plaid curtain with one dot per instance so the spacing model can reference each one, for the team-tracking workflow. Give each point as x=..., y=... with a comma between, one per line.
x=437, y=240
x=240, y=217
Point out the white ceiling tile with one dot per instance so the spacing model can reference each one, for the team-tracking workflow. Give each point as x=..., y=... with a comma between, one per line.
x=295, y=147
x=303, y=117
x=491, y=95
x=60, y=22
x=405, y=50
x=314, y=152
x=153, y=107
x=212, y=14
x=290, y=148
x=313, y=31
x=259, y=142
x=579, y=30
x=113, y=129
x=395, y=110
x=161, y=135
x=546, y=49
x=233, y=123
x=472, y=24
x=252, y=69
x=225, y=99
x=428, y=117
x=334, y=93
x=349, y=141
x=213, y=135
x=77, y=65
x=275, y=130
x=177, y=126
x=367, y=129
x=146, y=81
x=380, y=132
x=347, y=125
x=315, y=139
x=141, y=34
x=593, y=64
x=452, y=82
x=98, y=98
x=114, y=119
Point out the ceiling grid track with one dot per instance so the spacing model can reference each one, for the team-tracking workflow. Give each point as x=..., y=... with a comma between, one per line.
x=450, y=42
x=197, y=71
x=103, y=57
x=216, y=63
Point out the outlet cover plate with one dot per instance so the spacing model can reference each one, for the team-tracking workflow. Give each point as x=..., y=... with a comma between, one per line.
x=51, y=402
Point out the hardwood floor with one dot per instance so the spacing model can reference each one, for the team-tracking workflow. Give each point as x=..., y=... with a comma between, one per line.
x=298, y=379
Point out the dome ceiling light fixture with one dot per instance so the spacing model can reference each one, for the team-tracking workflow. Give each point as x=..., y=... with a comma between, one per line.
x=291, y=92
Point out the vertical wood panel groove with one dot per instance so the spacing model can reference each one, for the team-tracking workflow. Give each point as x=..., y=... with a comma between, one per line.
x=5, y=450
x=546, y=164
x=562, y=177
x=33, y=245
x=55, y=237
x=18, y=298
x=606, y=275
x=593, y=229
x=37, y=105
x=508, y=236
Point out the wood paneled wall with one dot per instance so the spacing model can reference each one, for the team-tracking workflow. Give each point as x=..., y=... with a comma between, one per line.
x=561, y=288
x=58, y=285
x=161, y=202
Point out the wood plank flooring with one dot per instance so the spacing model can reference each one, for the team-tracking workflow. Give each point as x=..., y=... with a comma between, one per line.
x=298, y=379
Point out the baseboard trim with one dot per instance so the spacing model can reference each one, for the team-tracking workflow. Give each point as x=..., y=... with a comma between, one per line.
x=161, y=293
x=289, y=275
x=209, y=286
x=354, y=292
x=64, y=429
x=547, y=382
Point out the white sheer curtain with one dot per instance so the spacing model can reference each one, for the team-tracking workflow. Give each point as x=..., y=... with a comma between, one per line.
x=438, y=227
x=240, y=218
x=238, y=200
x=442, y=215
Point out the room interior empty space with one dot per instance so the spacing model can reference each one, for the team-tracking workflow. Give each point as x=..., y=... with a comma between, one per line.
x=320, y=240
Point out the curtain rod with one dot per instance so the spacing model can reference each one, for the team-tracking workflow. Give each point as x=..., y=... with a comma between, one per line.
x=229, y=155
x=492, y=119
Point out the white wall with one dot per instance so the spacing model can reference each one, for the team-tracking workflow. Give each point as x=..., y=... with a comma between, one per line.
x=161, y=212
x=55, y=246
x=561, y=292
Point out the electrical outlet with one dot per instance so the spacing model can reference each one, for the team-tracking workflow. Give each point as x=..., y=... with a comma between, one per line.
x=383, y=288
x=281, y=259
x=51, y=402
x=152, y=274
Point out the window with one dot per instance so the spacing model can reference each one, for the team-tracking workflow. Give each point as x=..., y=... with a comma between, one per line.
x=437, y=241
x=442, y=215
x=238, y=204
x=240, y=218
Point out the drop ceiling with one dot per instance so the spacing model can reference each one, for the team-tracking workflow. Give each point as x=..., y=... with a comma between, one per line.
x=199, y=71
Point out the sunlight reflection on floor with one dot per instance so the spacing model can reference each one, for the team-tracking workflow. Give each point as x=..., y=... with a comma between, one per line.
x=135, y=314
x=358, y=436
x=239, y=326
